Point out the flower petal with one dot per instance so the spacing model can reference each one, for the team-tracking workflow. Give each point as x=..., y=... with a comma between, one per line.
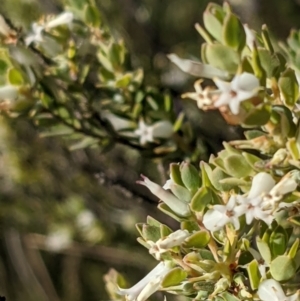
x=211, y=220
x=271, y=290
x=261, y=183
x=222, y=85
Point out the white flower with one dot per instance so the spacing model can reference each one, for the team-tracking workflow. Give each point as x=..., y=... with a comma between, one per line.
x=252, y=205
x=220, y=215
x=271, y=290
x=36, y=34
x=242, y=87
x=148, y=285
x=62, y=19
x=179, y=207
x=286, y=185
x=164, y=244
x=148, y=133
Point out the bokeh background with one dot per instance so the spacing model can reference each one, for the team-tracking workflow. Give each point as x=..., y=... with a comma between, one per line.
x=67, y=217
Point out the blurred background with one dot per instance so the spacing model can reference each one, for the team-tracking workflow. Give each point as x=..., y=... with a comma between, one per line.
x=67, y=217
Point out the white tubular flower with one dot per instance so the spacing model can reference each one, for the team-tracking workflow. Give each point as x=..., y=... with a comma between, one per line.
x=168, y=184
x=35, y=35
x=62, y=19
x=252, y=205
x=242, y=87
x=174, y=239
x=148, y=285
x=164, y=244
x=271, y=290
x=220, y=215
x=286, y=185
x=179, y=207
x=148, y=133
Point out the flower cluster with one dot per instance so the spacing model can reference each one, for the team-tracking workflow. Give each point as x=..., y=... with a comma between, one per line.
x=261, y=203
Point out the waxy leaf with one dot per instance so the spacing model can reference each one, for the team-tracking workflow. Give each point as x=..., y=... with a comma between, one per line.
x=174, y=277
x=197, y=240
x=289, y=87
x=234, y=34
x=283, y=268
x=253, y=273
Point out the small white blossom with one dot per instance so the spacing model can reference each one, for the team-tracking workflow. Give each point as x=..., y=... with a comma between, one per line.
x=271, y=290
x=242, y=87
x=149, y=133
x=35, y=35
x=220, y=215
x=252, y=204
x=286, y=185
x=179, y=207
x=164, y=244
x=148, y=285
x=37, y=30
x=62, y=19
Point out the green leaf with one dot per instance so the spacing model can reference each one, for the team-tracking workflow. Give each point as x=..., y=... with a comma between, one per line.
x=15, y=77
x=234, y=34
x=278, y=241
x=251, y=159
x=237, y=166
x=191, y=226
x=269, y=62
x=201, y=199
x=152, y=221
x=92, y=15
x=213, y=18
x=174, y=277
x=217, y=176
x=289, y=88
x=3, y=66
x=181, y=193
x=259, y=72
x=254, y=274
x=222, y=57
x=151, y=233
x=167, y=210
x=229, y=297
x=165, y=230
x=124, y=81
x=197, y=240
x=258, y=116
x=175, y=173
x=294, y=248
x=264, y=250
x=190, y=176
x=283, y=268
